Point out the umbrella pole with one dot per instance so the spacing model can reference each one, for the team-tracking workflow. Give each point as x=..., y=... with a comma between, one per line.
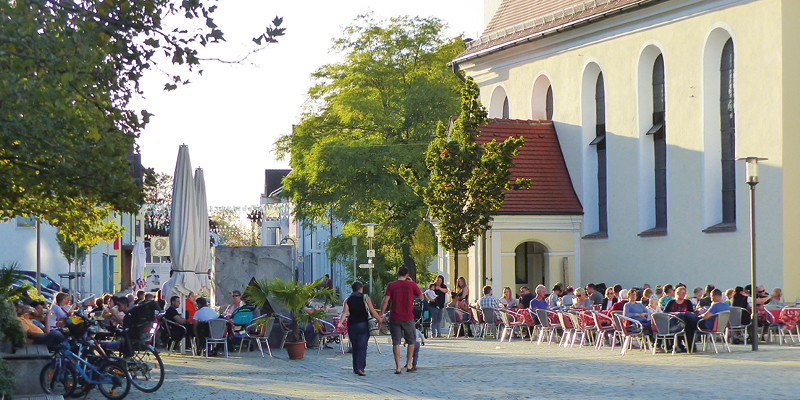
x=182, y=311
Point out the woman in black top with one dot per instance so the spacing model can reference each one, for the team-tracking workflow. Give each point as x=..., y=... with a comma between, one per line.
x=355, y=310
x=740, y=300
x=436, y=306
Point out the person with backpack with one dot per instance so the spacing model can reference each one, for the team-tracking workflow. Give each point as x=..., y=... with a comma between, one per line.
x=357, y=309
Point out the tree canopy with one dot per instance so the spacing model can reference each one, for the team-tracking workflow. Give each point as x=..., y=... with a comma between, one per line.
x=364, y=118
x=68, y=71
x=467, y=180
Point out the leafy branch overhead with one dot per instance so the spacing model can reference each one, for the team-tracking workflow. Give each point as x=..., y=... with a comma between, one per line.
x=68, y=71
x=467, y=181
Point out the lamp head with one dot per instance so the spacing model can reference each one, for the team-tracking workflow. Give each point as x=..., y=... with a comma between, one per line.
x=752, y=169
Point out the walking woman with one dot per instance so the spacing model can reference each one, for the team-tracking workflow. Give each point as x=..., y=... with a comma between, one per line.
x=437, y=305
x=356, y=313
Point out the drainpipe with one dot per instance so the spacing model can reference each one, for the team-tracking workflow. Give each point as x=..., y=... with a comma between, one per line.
x=458, y=73
x=483, y=255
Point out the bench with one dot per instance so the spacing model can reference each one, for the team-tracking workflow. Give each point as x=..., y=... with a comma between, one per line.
x=27, y=363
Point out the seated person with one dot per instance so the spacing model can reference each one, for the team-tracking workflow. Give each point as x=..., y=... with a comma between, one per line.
x=190, y=306
x=113, y=312
x=36, y=335
x=173, y=315
x=680, y=304
x=308, y=331
x=527, y=296
x=777, y=296
x=60, y=310
x=200, y=326
x=508, y=299
x=39, y=315
x=609, y=300
x=635, y=310
x=566, y=300
x=237, y=302
x=488, y=301
x=717, y=306
x=139, y=298
x=620, y=305
x=582, y=301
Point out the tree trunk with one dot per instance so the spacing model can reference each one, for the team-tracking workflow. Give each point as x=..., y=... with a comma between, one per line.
x=409, y=262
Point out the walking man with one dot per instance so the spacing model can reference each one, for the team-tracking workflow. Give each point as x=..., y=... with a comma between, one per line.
x=401, y=318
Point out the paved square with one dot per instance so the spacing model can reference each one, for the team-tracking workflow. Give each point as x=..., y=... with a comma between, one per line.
x=476, y=369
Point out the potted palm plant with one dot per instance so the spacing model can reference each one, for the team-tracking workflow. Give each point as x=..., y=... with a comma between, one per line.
x=295, y=297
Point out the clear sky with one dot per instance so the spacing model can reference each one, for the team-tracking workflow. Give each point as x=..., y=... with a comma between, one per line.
x=232, y=114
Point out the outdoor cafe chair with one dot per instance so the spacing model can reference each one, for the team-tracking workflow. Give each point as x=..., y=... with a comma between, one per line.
x=776, y=327
x=629, y=329
x=735, y=322
x=259, y=333
x=328, y=332
x=661, y=323
x=604, y=327
x=581, y=326
x=216, y=334
x=545, y=326
x=476, y=316
x=286, y=329
x=720, y=326
x=490, y=320
x=458, y=319
x=567, y=328
x=171, y=328
x=512, y=322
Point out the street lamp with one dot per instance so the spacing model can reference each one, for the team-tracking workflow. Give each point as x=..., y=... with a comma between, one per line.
x=752, y=181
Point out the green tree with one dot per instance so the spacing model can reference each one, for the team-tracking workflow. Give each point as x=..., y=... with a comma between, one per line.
x=232, y=230
x=364, y=118
x=467, y=181
x=68, y=71
x=423, y=251
x=158, y=200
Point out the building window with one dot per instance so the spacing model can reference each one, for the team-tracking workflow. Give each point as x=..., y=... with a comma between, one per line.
x=600, y=145
x=658, y=132
x=728, y=131
x=505, y=108
x=548, y=104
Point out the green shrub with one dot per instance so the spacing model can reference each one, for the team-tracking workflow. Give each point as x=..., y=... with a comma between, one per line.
x=6, y=380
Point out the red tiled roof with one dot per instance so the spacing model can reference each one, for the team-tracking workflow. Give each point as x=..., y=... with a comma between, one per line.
x=517, y=21
x=539, y=160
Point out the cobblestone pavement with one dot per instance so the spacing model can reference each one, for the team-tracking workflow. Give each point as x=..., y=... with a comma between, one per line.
x=476, y=369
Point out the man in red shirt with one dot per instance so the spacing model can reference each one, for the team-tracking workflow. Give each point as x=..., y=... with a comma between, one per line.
x=401, y=319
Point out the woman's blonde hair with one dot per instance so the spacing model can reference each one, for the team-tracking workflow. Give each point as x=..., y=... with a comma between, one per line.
x=777, y=292
x=579, y=291
x=609, y=290
x=509, y=289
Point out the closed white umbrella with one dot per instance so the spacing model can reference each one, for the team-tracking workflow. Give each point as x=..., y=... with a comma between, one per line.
x=138, y=268
x=183, y=237
x=204, y=241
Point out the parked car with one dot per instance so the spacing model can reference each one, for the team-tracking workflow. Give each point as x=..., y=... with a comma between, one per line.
x=46, y=281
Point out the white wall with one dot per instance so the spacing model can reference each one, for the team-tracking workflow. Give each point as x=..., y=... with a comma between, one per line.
x=678, y=29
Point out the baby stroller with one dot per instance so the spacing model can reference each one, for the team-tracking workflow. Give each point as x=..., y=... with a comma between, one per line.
x=422, y=317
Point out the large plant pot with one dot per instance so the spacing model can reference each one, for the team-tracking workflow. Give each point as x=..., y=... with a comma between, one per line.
x=296, y=350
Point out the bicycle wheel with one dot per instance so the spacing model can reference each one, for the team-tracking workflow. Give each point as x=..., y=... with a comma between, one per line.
x=119, y=386
x=146, y=370
x=58, y=380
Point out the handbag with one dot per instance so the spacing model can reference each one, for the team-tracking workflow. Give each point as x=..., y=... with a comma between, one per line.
x=374, y=328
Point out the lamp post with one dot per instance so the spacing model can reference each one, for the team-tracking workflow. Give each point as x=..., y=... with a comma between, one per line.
x=355, y=260
x=370, y=251
x=752, y=181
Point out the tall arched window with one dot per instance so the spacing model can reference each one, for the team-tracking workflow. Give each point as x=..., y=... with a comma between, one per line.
x=505, y=108
x=600, y=143
x=658, y=131
x=728, y=132
x=548, y=106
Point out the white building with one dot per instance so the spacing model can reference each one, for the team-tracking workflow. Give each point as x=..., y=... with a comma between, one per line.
x=651, y=101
